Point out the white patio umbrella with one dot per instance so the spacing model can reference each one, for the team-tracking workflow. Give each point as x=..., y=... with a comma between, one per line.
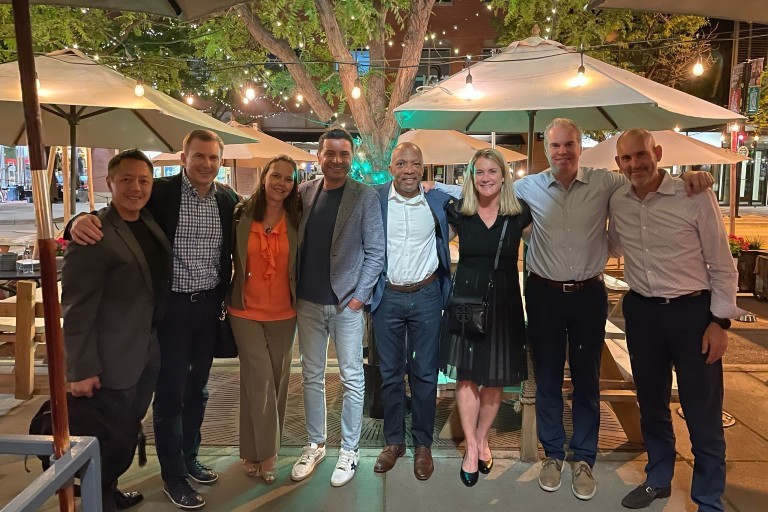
x=531, y=82
x=744, y=10
x=678, y=149
x=97, y=105
x=451, y=147
x=249, y=155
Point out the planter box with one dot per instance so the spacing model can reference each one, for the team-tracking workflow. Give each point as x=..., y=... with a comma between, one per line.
x=747, y=267
x=761, y=277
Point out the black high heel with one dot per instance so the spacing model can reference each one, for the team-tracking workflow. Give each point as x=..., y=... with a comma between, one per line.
x=485, y=466
x=468, y=479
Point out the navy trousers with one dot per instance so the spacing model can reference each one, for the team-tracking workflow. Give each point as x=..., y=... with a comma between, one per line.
x=407, y=329
x=574, y=320
x=187, y=336
x=660, y=336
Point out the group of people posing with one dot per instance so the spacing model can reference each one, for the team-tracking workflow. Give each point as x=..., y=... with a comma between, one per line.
x=144, y=286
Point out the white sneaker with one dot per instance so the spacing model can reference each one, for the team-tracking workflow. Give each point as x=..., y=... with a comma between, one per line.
x=311, y=456
x=345, y=468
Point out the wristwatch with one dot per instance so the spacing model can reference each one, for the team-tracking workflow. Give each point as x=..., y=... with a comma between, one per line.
x=725, y=323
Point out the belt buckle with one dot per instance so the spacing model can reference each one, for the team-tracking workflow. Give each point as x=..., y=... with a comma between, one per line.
x=197, y=296
x=570, y=287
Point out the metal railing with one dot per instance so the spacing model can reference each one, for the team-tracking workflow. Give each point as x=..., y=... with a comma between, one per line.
x=82, y=460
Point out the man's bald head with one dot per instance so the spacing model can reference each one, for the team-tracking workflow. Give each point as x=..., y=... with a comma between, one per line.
x=406, y=166
x=637, y=156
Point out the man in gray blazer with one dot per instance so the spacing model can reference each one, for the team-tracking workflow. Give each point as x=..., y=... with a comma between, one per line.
x=341, y=255
x=113, y=295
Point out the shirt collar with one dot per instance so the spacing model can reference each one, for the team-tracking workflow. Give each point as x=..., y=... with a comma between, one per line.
x=187, y=186
x=394, y=195
x=666, y=187
x=581, y=175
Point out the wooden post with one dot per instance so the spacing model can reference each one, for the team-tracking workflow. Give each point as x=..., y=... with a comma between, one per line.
x=25, y=340
x=628, y=413
x=65, y=181
x=89, y=173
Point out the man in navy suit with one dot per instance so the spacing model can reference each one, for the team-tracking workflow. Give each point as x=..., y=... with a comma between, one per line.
x=407, y=306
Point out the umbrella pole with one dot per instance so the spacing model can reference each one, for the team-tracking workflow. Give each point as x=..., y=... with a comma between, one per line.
x=74, y=175
x=40, y=190
x=89, y=171
x=529, y=149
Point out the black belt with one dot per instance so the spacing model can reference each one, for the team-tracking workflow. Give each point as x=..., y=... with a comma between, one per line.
x=567, y=286
x=195, y=296
x=665, y=300
x=414, y=286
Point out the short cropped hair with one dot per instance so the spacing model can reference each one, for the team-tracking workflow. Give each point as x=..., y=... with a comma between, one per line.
x=205, y=136
x=128, y=154
x=562, y=121
x=335, y=132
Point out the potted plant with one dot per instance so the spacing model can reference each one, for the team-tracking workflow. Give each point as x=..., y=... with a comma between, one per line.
x=746, y=249
x=61, y=247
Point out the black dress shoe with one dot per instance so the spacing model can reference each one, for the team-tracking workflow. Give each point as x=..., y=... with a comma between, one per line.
x=124, y=500
x=183, y=495
x=468, y=479
x=642, y=496
x=485, y=466
x=201, y=473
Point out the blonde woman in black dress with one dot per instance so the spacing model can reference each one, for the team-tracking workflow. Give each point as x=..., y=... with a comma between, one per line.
x=483, y=366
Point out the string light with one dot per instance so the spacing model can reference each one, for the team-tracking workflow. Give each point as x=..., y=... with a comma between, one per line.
x=698, y=69
x=469, y=88
x=139, y=89
x=190, y=99
x=356, y=90
x=299, y=97
x=581, y=78
x=250, y=92
x=677, y=129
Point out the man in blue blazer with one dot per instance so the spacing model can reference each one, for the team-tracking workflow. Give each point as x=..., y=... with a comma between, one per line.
x=407, y=306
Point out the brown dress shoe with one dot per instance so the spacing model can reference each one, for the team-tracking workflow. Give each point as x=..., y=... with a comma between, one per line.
x=423, y=466
x=388, y=457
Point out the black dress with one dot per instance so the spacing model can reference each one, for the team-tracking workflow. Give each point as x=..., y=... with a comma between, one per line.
x=499, y=358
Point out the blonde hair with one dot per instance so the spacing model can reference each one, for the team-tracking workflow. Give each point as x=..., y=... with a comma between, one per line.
x=508, y=203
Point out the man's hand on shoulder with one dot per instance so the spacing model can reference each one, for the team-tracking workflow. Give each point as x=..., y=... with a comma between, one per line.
x=427, y=186
x=85, y=387
x=697, y=182
x=86, y=229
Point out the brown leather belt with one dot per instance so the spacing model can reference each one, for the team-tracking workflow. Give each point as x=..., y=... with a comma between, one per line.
x=567, y=286
x=412, y=287
x=665, y=300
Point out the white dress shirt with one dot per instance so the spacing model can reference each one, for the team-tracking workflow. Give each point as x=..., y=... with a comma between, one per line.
x=411, y=246
x=674, y=244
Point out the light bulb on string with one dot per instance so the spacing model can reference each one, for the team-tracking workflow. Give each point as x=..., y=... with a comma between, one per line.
x=698, y=69
x=139, y=89
x=246, y=100
x=299, y=97
x=189, y=99
x=250, y=92
x=469, y=88
x=581, y=77
x=356, y=90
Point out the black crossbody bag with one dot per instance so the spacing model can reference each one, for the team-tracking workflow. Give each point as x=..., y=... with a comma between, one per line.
x=468, y=316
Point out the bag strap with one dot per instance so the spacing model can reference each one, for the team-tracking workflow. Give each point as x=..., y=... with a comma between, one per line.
x=501, y=241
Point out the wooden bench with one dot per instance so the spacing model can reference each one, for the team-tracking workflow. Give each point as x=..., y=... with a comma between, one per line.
x=22, y=325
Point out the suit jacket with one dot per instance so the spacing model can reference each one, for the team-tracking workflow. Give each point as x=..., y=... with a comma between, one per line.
x=165, y=204
x=437, y=202
x=109, y=302
x=242, y=231
x=357, y=248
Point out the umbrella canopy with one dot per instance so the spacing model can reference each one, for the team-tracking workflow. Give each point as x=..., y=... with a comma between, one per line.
x=249, y=155
x=451, y=147
x=744, y=10
x=187, y=9
x=678, y=149
x=100, y=102
x=540, y=76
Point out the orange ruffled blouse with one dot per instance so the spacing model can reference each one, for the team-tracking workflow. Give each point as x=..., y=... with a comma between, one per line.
x=267, y=290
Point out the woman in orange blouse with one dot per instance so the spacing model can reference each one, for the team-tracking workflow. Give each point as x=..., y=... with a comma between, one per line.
x=262, y=311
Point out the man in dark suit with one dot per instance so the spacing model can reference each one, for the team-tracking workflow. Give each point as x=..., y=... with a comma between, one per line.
x=196, y=215
x=407, y=306
x=113, y=296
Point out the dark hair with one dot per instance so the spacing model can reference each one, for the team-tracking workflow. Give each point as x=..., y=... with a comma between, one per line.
x=128, y=154
x=257, y=203
x=205, y=136
x=335, y=132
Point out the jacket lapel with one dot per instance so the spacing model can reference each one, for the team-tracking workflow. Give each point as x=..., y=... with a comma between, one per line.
x=348, y=201
x=310, y=193
x=126, y=235
x=242, y=232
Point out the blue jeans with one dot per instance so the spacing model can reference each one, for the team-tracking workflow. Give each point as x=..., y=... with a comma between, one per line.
x=407, y=327
x=315, y=323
